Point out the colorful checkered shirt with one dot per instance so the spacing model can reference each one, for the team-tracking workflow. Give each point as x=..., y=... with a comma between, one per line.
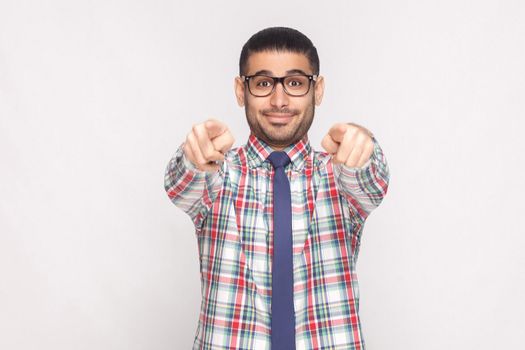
x=231, y=209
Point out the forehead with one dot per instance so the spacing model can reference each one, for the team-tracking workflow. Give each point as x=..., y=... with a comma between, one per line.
x=277, y=63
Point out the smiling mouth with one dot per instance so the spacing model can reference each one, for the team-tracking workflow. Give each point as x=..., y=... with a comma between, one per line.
x=279, y=118
x=279, y=115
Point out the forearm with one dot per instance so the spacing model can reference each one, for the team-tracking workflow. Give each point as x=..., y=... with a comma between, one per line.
x=364, y=187
x=189, y=188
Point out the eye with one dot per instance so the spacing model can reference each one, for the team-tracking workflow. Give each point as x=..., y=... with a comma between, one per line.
x=295, y=83
x=264, y=83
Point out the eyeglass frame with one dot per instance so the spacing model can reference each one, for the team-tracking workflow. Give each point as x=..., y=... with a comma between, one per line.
x=276, y=80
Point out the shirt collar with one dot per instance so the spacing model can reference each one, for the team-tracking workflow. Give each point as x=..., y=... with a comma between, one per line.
x=258, y=151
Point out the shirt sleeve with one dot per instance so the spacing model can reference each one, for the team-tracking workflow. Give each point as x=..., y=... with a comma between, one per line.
x=364, y=187
x=191, y=189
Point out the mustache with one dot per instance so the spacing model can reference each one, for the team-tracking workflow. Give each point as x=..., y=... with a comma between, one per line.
x=284, y=111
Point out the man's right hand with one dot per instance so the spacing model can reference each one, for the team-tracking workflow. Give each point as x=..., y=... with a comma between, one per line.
x=206, y=143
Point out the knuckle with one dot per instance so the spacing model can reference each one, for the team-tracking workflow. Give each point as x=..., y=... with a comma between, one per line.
x=361, y=133
x=352, y=130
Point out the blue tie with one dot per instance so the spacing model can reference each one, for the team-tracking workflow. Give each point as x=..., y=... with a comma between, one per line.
x=283, y=317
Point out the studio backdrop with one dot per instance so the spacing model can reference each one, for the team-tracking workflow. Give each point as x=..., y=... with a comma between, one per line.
x=96, y=96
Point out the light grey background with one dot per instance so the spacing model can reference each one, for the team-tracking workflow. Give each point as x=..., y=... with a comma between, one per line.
x=95, y=97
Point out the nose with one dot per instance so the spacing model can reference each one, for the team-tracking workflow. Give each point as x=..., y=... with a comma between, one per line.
x=279, y=98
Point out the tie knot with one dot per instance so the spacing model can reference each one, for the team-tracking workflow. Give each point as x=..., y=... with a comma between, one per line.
x=279, y=159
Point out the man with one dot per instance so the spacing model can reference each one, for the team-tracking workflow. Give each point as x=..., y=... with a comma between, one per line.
x=278, y=223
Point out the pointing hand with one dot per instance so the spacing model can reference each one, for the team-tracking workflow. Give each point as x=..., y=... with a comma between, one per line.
x=206, y=144
x=349, y=143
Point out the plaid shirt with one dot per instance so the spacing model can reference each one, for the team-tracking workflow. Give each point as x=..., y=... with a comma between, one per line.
x=232, y=212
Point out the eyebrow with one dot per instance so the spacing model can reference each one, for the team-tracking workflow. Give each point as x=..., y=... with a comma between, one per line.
x=291, y=71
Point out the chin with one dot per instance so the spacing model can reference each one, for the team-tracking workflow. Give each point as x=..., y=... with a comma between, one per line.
x=281, y=139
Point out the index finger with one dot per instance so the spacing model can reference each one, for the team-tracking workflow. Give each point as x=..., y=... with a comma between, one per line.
x=337, y=132
x=214, y=128
x=329, y=144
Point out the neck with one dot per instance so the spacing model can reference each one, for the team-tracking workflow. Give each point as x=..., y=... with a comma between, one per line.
x=276, y=147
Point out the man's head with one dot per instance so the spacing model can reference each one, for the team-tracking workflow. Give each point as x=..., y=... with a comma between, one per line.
x=279, y=118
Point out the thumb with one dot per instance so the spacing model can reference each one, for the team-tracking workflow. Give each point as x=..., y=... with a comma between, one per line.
x=329, y=144
x=223, y=142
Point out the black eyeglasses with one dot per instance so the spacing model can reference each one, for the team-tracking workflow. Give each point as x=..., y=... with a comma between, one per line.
x=294, y=85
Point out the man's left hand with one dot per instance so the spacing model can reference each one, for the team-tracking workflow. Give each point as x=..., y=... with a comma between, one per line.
x=349, y=143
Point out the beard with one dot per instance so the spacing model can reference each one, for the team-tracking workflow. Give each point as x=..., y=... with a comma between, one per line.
x=281, y=135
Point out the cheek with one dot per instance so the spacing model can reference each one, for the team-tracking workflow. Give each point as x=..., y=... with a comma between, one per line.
x=305, y=107
x=254, y=108
x=254, y=111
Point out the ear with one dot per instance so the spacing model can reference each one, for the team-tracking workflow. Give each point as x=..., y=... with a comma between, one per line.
x=238, y=86
x=319, y=90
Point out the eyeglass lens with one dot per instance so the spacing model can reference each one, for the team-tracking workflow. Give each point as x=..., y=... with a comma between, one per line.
x=261, y=85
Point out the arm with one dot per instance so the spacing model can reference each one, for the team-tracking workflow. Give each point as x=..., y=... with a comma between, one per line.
x=364, y=187
x=191, y=189
x=194, y=175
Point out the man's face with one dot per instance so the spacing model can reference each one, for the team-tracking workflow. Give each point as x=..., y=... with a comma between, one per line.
x=279, y=119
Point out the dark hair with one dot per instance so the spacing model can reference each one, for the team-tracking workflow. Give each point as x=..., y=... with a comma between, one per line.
x=279, y=39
